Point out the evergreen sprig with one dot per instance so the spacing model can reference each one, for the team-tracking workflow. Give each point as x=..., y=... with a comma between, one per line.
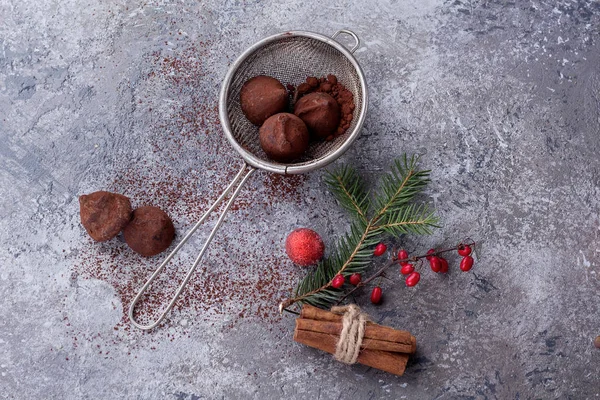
x=349, y=189
x=395, y=214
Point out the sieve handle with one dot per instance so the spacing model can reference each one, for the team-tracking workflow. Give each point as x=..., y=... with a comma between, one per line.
x=238, y=181
x=347, y=32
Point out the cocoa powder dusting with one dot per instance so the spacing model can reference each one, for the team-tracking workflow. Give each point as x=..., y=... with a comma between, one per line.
x=188, y=163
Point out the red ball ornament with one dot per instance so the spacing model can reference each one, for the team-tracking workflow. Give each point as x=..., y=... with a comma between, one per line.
x=304, y=247
x=338, y=281
x=376, y=295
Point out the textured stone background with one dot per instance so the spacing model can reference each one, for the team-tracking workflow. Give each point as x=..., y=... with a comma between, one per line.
x=501, y=98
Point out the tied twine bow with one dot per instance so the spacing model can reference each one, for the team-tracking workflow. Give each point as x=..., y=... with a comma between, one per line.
x=353, y=330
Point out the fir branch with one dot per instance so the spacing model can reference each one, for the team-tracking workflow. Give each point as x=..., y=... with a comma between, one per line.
x=401, y=185
x=349, y=189
x=413, y=219
x=395, y=215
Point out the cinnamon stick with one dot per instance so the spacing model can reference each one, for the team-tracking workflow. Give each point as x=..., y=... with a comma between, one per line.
x=394, y=363
x=373, y=338
x=312, y=312
x=375, y=331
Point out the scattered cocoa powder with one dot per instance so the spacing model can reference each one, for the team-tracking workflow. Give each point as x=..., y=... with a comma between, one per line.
x=192, y=163
x=343, y=96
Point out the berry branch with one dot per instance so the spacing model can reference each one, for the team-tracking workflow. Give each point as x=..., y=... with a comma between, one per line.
x=394, y=260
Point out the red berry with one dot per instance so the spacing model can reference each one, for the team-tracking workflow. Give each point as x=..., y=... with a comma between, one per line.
x=464, y=250
x=429, y=252
x=304, y=247
x=338, y=281
x=376, y=295
x=355, y=279
x=435, y=264
x=407, y=269
x=413, y=279
x=403, y=255
x=444, y=262
x=466, y=263
x=379, y=249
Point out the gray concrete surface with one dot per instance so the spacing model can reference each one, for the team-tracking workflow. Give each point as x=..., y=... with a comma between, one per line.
x=501, y=98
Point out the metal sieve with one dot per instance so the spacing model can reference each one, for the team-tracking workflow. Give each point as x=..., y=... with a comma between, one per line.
x=289, y=57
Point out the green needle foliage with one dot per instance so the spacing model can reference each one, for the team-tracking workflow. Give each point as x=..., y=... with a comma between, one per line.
x=394, y=213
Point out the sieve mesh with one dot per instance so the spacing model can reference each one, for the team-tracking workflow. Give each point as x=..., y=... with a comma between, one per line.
x=291, y=59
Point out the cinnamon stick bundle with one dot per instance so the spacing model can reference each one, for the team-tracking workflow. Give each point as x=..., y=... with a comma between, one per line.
x=372, y=331
x=382, y=347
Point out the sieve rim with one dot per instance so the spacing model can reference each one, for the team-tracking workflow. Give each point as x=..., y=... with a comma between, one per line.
x=286, y=169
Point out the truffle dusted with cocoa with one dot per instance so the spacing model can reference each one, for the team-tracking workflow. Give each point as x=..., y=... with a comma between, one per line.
x=262, y=97
x=284, y=137
x=150, y=231
x=320, y=112
x=104, y=214
x=332, y=87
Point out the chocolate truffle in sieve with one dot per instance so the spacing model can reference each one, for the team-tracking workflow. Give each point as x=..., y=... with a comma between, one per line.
x=284, y=137
x=104, y=214
x=261, y=97
x=320, y=112
x=150, y=231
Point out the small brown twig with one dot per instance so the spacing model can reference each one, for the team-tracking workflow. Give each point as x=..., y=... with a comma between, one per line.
x=288, y=310
x=393, y=261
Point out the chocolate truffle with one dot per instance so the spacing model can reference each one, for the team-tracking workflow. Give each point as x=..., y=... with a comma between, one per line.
x=284, y=137
x=320, y=112
x=261, y=97
x=150, y=232
x=104, y=214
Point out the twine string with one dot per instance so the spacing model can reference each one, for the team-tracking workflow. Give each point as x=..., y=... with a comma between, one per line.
x=353, y=331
